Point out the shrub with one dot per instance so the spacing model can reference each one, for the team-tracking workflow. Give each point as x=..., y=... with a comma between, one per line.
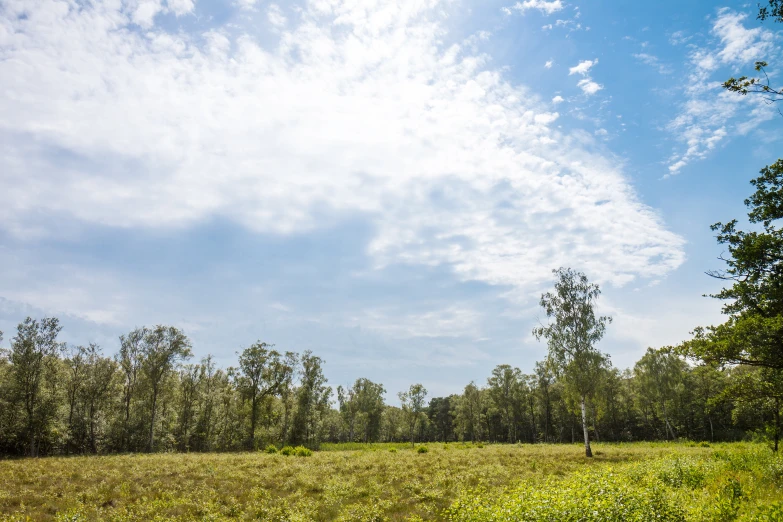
x=680, y=472
x=288, y=450
x=589, y=496
x=301, y=451
x=271, y=449
x=393, y=450
x=422, y=449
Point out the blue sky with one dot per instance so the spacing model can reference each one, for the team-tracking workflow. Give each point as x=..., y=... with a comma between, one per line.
x=386, y=183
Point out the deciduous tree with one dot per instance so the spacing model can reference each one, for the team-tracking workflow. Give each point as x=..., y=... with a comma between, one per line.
x=163, y=348
x=265, y=371
x=34, y=352
x=572, y=333
x=413, y=403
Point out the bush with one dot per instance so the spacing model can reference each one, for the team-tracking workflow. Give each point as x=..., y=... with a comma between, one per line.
x=588, y=495
x=393, y=450
x=301, y=451
x=271, y=449
x=678, y=472
x=288, y=450
x=422, y=449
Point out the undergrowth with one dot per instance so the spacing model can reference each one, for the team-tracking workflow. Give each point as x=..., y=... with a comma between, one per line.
x=455, y=481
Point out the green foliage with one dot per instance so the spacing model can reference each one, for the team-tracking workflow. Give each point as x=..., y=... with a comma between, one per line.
x=755, y=297
x=312, y=401
x=265, y=372
x=287, y=451
x=422, y=449
x=413, y=404
x=361, y=408
x=774, y=10
x=672, y=488
x=301, y=451
x=501, y=482
x=585, y=496
x=271, y=448
x=572, y=334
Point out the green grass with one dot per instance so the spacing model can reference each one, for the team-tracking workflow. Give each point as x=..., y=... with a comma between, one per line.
x=371, y=483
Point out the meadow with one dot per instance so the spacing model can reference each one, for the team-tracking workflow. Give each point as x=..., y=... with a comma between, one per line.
x=375, y=482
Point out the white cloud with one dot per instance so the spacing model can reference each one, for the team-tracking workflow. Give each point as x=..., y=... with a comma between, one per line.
x=653, y=61
x=588, y=86
x=549, y=64
x=358, y=109
x=275, y=16
x=570, y=24
x=741, y=45
x=248, y=5
x=679, y=37
x=557, y=99
x=453, y=321
x=710, y=114
x=546, y=7
x=583, y=67
x=601, y=132
x=143, y=12
x=546, y=118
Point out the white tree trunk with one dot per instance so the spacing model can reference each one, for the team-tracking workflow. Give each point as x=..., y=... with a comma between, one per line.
x=588, y=452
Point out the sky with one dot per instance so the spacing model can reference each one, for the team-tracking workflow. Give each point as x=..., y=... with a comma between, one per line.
x=388, y=183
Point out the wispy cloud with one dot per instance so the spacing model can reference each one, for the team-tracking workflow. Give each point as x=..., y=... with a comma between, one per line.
x=710, y=114
x=275, y=16
x=547, y=7
x=351, y=111
x=653, y=61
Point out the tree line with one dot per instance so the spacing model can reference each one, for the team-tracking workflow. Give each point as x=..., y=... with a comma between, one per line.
x=149, y=396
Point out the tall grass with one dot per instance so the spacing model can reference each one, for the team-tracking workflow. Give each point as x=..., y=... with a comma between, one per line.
x=460, y=482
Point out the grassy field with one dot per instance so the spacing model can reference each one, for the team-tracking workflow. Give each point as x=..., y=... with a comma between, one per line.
x=640, y=481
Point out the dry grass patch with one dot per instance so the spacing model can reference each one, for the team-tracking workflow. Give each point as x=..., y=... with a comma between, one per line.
x=359, y=482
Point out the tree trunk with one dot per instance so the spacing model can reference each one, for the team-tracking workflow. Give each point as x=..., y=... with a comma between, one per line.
x=152, y=420
x=253, y=419
x=125, y=438
x=93, y=445
x=712, y=432
x=777, y=423
x=588, y=451
x=669, y=429
x=33, y=453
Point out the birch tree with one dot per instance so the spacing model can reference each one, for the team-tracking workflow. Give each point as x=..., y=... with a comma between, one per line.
x=504, y=390
x=413, y=403
x=658, y=373
x=572, y=333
